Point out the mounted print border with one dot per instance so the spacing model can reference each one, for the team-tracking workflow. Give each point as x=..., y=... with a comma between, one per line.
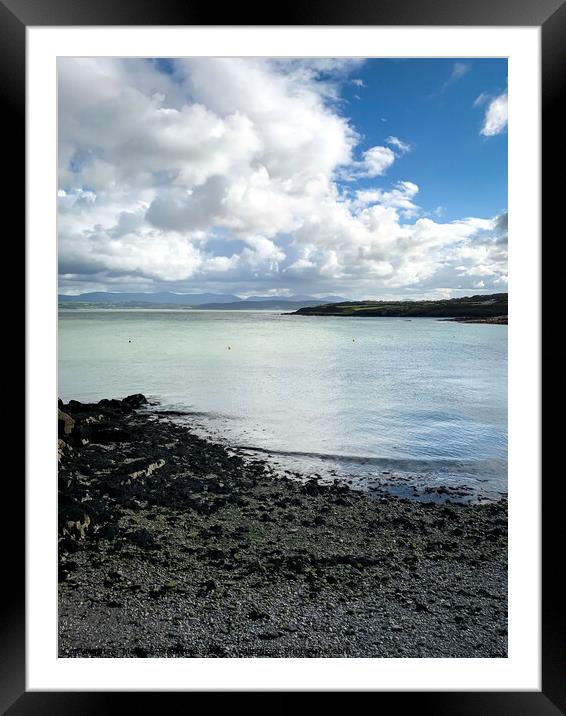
x=15, y=17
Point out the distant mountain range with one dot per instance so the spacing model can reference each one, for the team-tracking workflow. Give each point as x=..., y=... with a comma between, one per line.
x=284, y=304
x=180, y=299
x=202, y=300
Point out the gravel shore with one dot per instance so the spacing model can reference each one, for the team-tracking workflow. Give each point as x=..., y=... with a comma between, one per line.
x=172, y=545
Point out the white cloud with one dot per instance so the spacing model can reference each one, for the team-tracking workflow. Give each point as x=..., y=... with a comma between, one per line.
x=459, y=70
x=396, y=142
x=400, y=197
x=495, y=120
x=377, y=161
x=481, y=99
x=227, y=174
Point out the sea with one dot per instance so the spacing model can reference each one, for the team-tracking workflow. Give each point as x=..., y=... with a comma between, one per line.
x=416, y=407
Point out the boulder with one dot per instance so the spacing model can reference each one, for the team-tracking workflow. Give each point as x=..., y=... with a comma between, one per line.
x=74, y=406
x=66, y=423
x=130, y=402
x=135, y=401
x=74, y=521
x=110, y=403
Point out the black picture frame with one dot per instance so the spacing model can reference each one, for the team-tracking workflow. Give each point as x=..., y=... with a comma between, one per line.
x=15, y=17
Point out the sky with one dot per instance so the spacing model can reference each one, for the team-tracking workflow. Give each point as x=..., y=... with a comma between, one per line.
x=376, y=178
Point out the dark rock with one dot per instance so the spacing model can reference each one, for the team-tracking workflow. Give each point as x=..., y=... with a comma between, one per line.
x=266, y=635
x=135, y=401
x=66, y=568
x=143, y=538
x=210, y=585
x=74, y=520
x=74, y=406
x=110, y=403
x=109, y=532
x=103, y=435
x=312, y=488
x=256, y=614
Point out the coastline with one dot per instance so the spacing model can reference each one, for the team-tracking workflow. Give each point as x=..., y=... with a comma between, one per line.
x=468, y=309
x=172, y=545
x=493, y=320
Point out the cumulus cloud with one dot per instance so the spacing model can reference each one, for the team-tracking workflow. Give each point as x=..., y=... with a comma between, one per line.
x=495, y=120
x=377, y=160
x=374, y=162
x=399, y=197
x=228, y=174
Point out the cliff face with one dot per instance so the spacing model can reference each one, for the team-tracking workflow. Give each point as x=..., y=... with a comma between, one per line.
x=467, y=307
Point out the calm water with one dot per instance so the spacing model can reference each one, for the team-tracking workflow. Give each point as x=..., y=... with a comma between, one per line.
x=420, y=402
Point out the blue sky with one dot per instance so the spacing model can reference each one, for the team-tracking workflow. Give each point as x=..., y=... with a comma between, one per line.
x=423, y=104
x=368, y=179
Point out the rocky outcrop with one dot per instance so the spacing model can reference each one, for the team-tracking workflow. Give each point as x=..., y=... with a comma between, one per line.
x=79, y=425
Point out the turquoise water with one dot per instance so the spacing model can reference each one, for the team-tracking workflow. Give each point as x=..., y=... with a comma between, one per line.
x=421, y=398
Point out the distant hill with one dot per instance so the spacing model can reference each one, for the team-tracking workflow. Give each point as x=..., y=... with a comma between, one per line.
x=283, y=304
x=299, y=298
x=172, y=299
x=467, y=307
x=107, y=299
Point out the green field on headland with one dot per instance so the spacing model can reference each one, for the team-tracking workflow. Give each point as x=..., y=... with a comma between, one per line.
x=469, y=307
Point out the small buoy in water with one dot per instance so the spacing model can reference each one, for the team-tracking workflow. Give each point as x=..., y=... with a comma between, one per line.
x=129, y=341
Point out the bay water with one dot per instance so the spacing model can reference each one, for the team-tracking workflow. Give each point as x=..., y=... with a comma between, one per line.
x=415, y=404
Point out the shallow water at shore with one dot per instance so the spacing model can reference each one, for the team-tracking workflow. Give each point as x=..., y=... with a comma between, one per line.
x=417, y=404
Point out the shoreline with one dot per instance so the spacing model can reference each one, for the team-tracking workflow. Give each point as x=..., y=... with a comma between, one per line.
x=171, y=545
x=493, y=320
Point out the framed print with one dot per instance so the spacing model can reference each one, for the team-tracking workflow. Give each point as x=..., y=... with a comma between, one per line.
x=297, y=444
